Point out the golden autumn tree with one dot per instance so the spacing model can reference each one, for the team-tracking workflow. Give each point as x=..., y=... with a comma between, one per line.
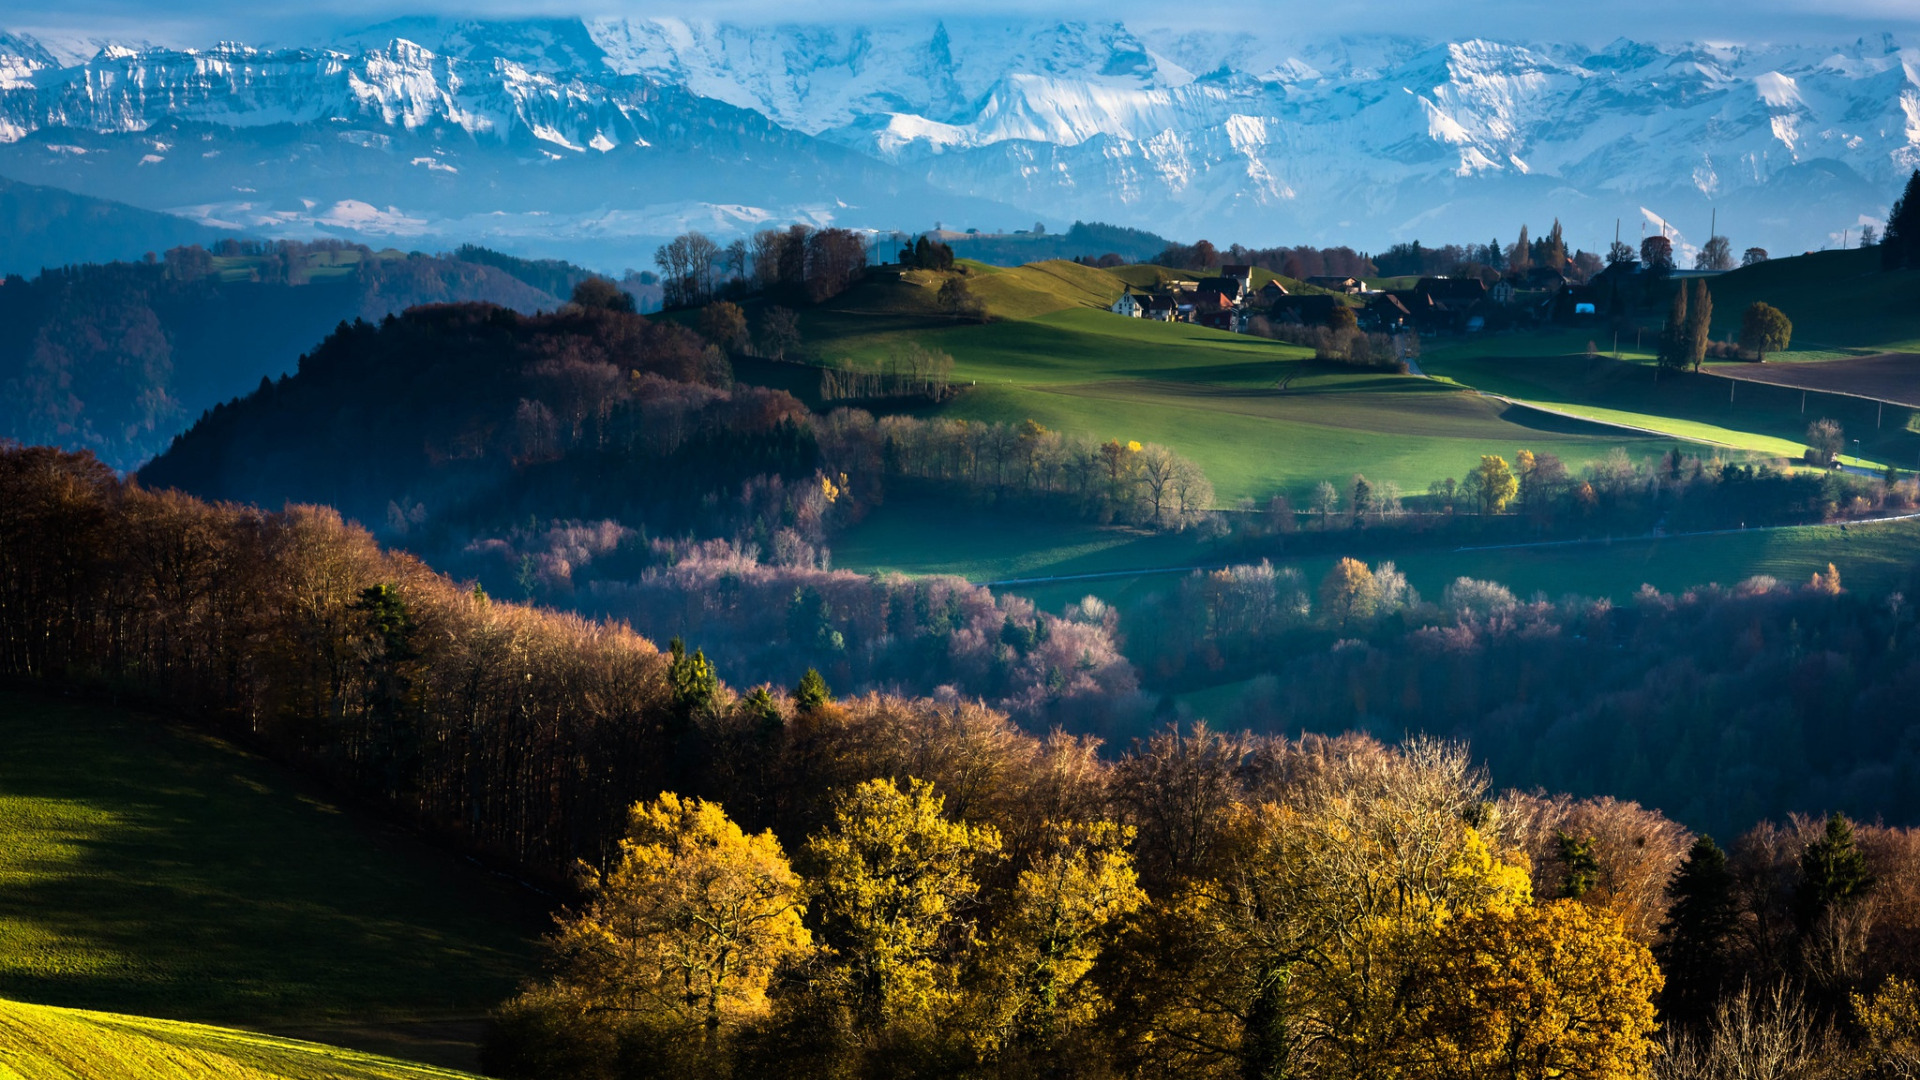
x=892, y=874
x=1349, y=594
x=1033, y=982
x=1891, y=1021
x=1554, y=991
x=1498, y=485
x=1295, y=958
x=689, y=924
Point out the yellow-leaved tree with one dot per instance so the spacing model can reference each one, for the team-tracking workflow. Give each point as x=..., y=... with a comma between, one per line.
x=1349, y=595
x=1554, y=991
x=672, y=951
x=1498, y=485
x=1891, y=1021
x=892, y=876
x=1033, y=987
x=1296, y=959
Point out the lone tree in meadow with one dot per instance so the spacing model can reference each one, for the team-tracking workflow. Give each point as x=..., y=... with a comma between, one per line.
x=1900, y=245
x=1825, y=440
x=1764, y=329
x=956, y=299
x=1498, y=485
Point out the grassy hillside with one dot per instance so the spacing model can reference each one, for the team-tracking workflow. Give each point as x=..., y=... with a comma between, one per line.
x=1551, y=368
x=1054, y=355
x=1838, y=301
x=42, y=1043
x=149, y=870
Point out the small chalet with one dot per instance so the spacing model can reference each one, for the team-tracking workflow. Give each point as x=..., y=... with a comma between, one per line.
x=1452, y=291
x=1545, y=278
x=1218, y=318
x=1582, y=303
x=1129, y=305
x=1160, y=307
x=1386, y=314
x=1312, y=310
x=1272, y=291
x=1242, y=274
x=1233, y=288
x=1346, y=285
x=1427, y=314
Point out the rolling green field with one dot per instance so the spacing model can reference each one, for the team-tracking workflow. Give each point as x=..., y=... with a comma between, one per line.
x=1054, y=357
x=38, y=1042
x=922, y=539
x=1551, y=368
x=1214, y=396
x=146, y=869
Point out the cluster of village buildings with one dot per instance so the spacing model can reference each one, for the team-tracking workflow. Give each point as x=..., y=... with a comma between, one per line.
x=1434, y=305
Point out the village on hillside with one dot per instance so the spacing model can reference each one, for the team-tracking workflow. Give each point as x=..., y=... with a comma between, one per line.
x=1463, y=303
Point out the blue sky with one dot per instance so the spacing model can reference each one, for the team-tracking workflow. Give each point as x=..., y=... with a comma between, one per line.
x=202, y=21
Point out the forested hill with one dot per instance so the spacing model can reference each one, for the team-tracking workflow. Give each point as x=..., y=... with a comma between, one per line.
x=481, y=415
x=118, y=358
x=46, y=226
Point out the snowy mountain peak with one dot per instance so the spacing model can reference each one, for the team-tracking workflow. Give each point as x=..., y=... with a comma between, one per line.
x=1258, y=138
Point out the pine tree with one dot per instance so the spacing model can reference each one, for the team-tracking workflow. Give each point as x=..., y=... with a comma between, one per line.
x=1833, y=870
x=1583, y=868
x=691, y=678
x=812, y=692
x=1900, y=244
x=1700, y=922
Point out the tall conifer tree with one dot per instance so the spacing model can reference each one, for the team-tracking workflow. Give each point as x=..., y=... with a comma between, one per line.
x=1900, y=244
x=1700, y=923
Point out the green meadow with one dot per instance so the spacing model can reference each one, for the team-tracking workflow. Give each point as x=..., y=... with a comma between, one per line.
x=1262, y=418
x=148, y=869
x=45, y=1043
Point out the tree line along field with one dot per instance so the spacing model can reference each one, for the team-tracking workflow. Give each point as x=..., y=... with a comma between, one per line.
x=1122, y=566
x=147, y=869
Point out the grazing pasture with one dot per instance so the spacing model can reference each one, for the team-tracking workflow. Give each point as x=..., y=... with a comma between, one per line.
x=148, y=869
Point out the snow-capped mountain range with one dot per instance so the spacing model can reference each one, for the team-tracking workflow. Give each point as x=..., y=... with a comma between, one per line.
x=590, y=138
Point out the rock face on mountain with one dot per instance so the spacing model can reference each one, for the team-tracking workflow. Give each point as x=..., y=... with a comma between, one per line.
x=577, y=137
